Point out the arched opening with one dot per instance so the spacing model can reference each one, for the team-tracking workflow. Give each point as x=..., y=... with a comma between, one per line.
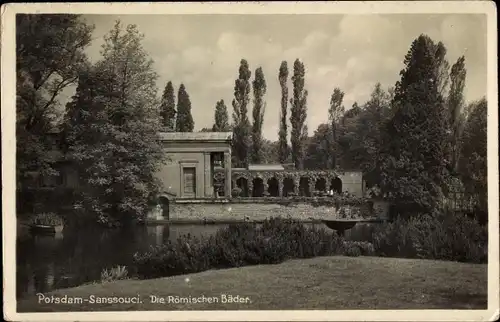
x=258, y=187
x=288, y=187
x=273, y=188
x=165, y=207
x=320, y=185
x=242, y=183
x=304, y=187
x=371, y=207
x=336, y=185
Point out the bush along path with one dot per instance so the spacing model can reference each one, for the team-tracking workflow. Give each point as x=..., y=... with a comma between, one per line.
x=272, y=242
x=445, y=237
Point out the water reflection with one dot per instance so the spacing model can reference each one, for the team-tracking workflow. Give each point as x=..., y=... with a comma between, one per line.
x=76, y=257
x=79, y=256
x=159, y=233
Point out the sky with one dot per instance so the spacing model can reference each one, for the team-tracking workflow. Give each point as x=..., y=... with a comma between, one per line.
x=352, y=52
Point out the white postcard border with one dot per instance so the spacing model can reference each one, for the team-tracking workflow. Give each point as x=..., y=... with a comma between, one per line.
x=8, y=73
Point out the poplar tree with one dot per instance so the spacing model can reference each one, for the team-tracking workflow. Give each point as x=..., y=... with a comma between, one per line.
x=284, y=149
x=259, y=107
x=298, y=113
x=335, y=113
x=455, y=105
x=241, y=123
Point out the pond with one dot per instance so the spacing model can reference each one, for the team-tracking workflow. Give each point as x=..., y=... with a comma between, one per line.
x=74, y=258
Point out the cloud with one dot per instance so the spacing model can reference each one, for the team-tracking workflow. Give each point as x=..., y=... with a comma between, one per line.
x=352, y=52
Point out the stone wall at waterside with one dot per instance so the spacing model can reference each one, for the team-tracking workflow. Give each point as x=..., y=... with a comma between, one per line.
x=261, y=211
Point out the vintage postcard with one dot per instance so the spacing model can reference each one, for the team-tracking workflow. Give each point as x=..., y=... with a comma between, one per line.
x=274, y=161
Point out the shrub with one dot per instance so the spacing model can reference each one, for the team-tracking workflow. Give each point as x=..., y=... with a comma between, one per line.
x=447, y=236
x=114, y=274
x=275, y=241
x=358, y=248
x=393, y=239
x=185, y=255
x=366, y=248
x=452, y=237
x=352, y=251
x=319, y=193
x=46, y=219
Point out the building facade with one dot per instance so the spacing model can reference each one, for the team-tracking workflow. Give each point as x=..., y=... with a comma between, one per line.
x=191, y=161
x=199, y=167
x=275, y=181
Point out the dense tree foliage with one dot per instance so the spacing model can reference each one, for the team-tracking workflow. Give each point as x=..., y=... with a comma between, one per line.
x=318, y=154
x=259, y=107
x=284, y=149
x=184, y=122
x=473, y=157
x=335, y=113
x=362, y=135
x=270, y=151
x=455, y=105
x=167, y=108
x=408, y=138
x=298, y=114
x=359, y=136
x=49, y=56
x=414, y=164
x=241, y=123
x=111, y=127
x=221, y=118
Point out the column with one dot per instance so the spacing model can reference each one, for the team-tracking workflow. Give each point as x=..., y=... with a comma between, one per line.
x=227, y=172
x=280, y=187
x=208, y=175
x=296, y=185
x=312, y=185
x=250, y=186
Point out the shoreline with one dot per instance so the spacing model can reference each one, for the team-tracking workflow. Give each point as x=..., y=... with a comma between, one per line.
x=222, y=221
x=23, y=224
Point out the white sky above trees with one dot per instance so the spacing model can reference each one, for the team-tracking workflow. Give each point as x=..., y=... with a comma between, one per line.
x=347, y=51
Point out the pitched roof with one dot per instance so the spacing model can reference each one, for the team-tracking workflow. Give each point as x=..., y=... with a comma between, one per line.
x=195, y=136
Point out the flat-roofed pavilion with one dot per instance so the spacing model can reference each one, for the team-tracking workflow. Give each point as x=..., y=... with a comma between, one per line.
x=191, y=159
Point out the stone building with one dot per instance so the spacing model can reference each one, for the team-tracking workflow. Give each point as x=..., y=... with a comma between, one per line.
x=274, y=180
x=199, y=163
x=192, y=159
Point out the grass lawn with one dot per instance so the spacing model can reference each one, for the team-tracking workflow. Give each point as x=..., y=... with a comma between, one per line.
x=325, y=283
